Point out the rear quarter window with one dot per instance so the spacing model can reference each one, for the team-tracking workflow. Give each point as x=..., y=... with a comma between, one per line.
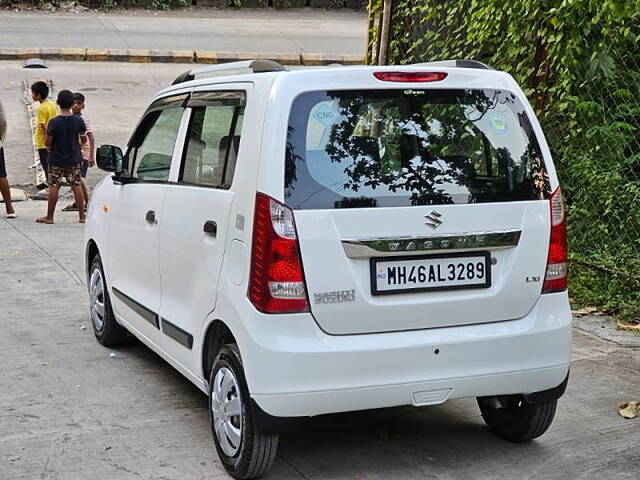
x=390, y=148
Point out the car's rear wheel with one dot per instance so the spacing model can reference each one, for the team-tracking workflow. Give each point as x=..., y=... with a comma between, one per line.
x=512, y=418
x=105, y=327
x=244, y=451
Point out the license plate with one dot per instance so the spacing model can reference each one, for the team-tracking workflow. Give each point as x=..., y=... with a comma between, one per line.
x=429, y=273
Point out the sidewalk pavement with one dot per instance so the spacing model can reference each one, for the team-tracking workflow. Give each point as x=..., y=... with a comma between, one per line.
x=272, y=31
x=72, y=411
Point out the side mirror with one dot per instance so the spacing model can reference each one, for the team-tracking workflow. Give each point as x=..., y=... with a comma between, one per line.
x=110, y=158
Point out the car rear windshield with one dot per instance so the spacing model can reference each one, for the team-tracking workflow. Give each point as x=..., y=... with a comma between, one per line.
x=392, y=148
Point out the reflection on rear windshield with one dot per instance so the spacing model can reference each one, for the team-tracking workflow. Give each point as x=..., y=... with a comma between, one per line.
x=349, y=149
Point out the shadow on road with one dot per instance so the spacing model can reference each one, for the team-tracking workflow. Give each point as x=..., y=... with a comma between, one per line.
x=444, y=441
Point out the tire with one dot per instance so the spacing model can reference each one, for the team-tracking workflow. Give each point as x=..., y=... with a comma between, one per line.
x=245, y=452
x=515, y=420
x=105, y=327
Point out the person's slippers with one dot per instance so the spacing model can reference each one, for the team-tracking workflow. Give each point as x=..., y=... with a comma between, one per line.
x=44, y=220
x=11, y=215
x=70, y=208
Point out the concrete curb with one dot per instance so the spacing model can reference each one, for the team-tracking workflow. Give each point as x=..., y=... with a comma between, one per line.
x=135, y=55
x=46, y=53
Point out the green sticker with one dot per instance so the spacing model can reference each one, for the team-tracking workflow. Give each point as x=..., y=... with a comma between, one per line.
x=498, y=123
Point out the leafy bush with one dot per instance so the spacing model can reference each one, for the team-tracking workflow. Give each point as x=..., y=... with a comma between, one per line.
x=169, y=4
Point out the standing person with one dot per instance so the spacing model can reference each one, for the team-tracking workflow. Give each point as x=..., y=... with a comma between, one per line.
x=4, y=183
x=46, y=111
x=87, y=148
x=64, y=155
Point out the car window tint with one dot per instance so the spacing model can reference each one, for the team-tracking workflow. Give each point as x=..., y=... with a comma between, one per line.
x=212, y=144
x=153, y=155
x=391, y=148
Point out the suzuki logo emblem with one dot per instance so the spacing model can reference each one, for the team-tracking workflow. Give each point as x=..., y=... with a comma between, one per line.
x=433, y=219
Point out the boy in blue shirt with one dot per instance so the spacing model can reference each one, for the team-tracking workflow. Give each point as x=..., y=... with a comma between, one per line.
x=65, y=158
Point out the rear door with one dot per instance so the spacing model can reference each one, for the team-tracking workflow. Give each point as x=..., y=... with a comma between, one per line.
x=196, y=213
x=417, y=208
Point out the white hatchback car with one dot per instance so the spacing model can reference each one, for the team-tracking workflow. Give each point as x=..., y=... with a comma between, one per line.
x=305, y=242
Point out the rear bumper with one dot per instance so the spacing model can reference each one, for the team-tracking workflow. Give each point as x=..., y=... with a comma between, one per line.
x=418, y=394
x=305, y=372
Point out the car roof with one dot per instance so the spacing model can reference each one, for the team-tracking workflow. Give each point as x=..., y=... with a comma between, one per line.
x=460, y=74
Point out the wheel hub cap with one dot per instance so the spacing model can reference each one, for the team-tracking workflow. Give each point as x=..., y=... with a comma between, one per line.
x=97, y=299
x=226, y=407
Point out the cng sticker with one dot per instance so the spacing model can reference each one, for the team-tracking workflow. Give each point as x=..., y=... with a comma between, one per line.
x=325, y=115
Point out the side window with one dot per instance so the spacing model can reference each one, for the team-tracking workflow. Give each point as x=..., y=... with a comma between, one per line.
x=153, y=148
x=212, y=143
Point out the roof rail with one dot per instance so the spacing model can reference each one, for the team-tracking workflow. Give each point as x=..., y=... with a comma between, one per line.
x=231, y=68
x=459, y=64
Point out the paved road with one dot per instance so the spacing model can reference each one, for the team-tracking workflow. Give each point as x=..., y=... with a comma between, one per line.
x=72, y=412
x=310, y=31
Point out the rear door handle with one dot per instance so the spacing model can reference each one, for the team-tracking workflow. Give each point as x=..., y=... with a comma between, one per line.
x=151, y=217
x=210, y=227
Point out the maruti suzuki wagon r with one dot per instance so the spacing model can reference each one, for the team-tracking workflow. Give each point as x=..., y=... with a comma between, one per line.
x=310, y=241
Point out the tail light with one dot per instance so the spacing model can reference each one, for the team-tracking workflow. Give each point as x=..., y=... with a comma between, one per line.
x=410, y=76
x=555, y=279
x=277, y=281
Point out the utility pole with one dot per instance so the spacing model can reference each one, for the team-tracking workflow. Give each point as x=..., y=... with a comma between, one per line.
x=385, y=28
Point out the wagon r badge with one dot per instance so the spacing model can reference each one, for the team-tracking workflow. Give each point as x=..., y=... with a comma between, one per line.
x=341, y=296
x=433, y=219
